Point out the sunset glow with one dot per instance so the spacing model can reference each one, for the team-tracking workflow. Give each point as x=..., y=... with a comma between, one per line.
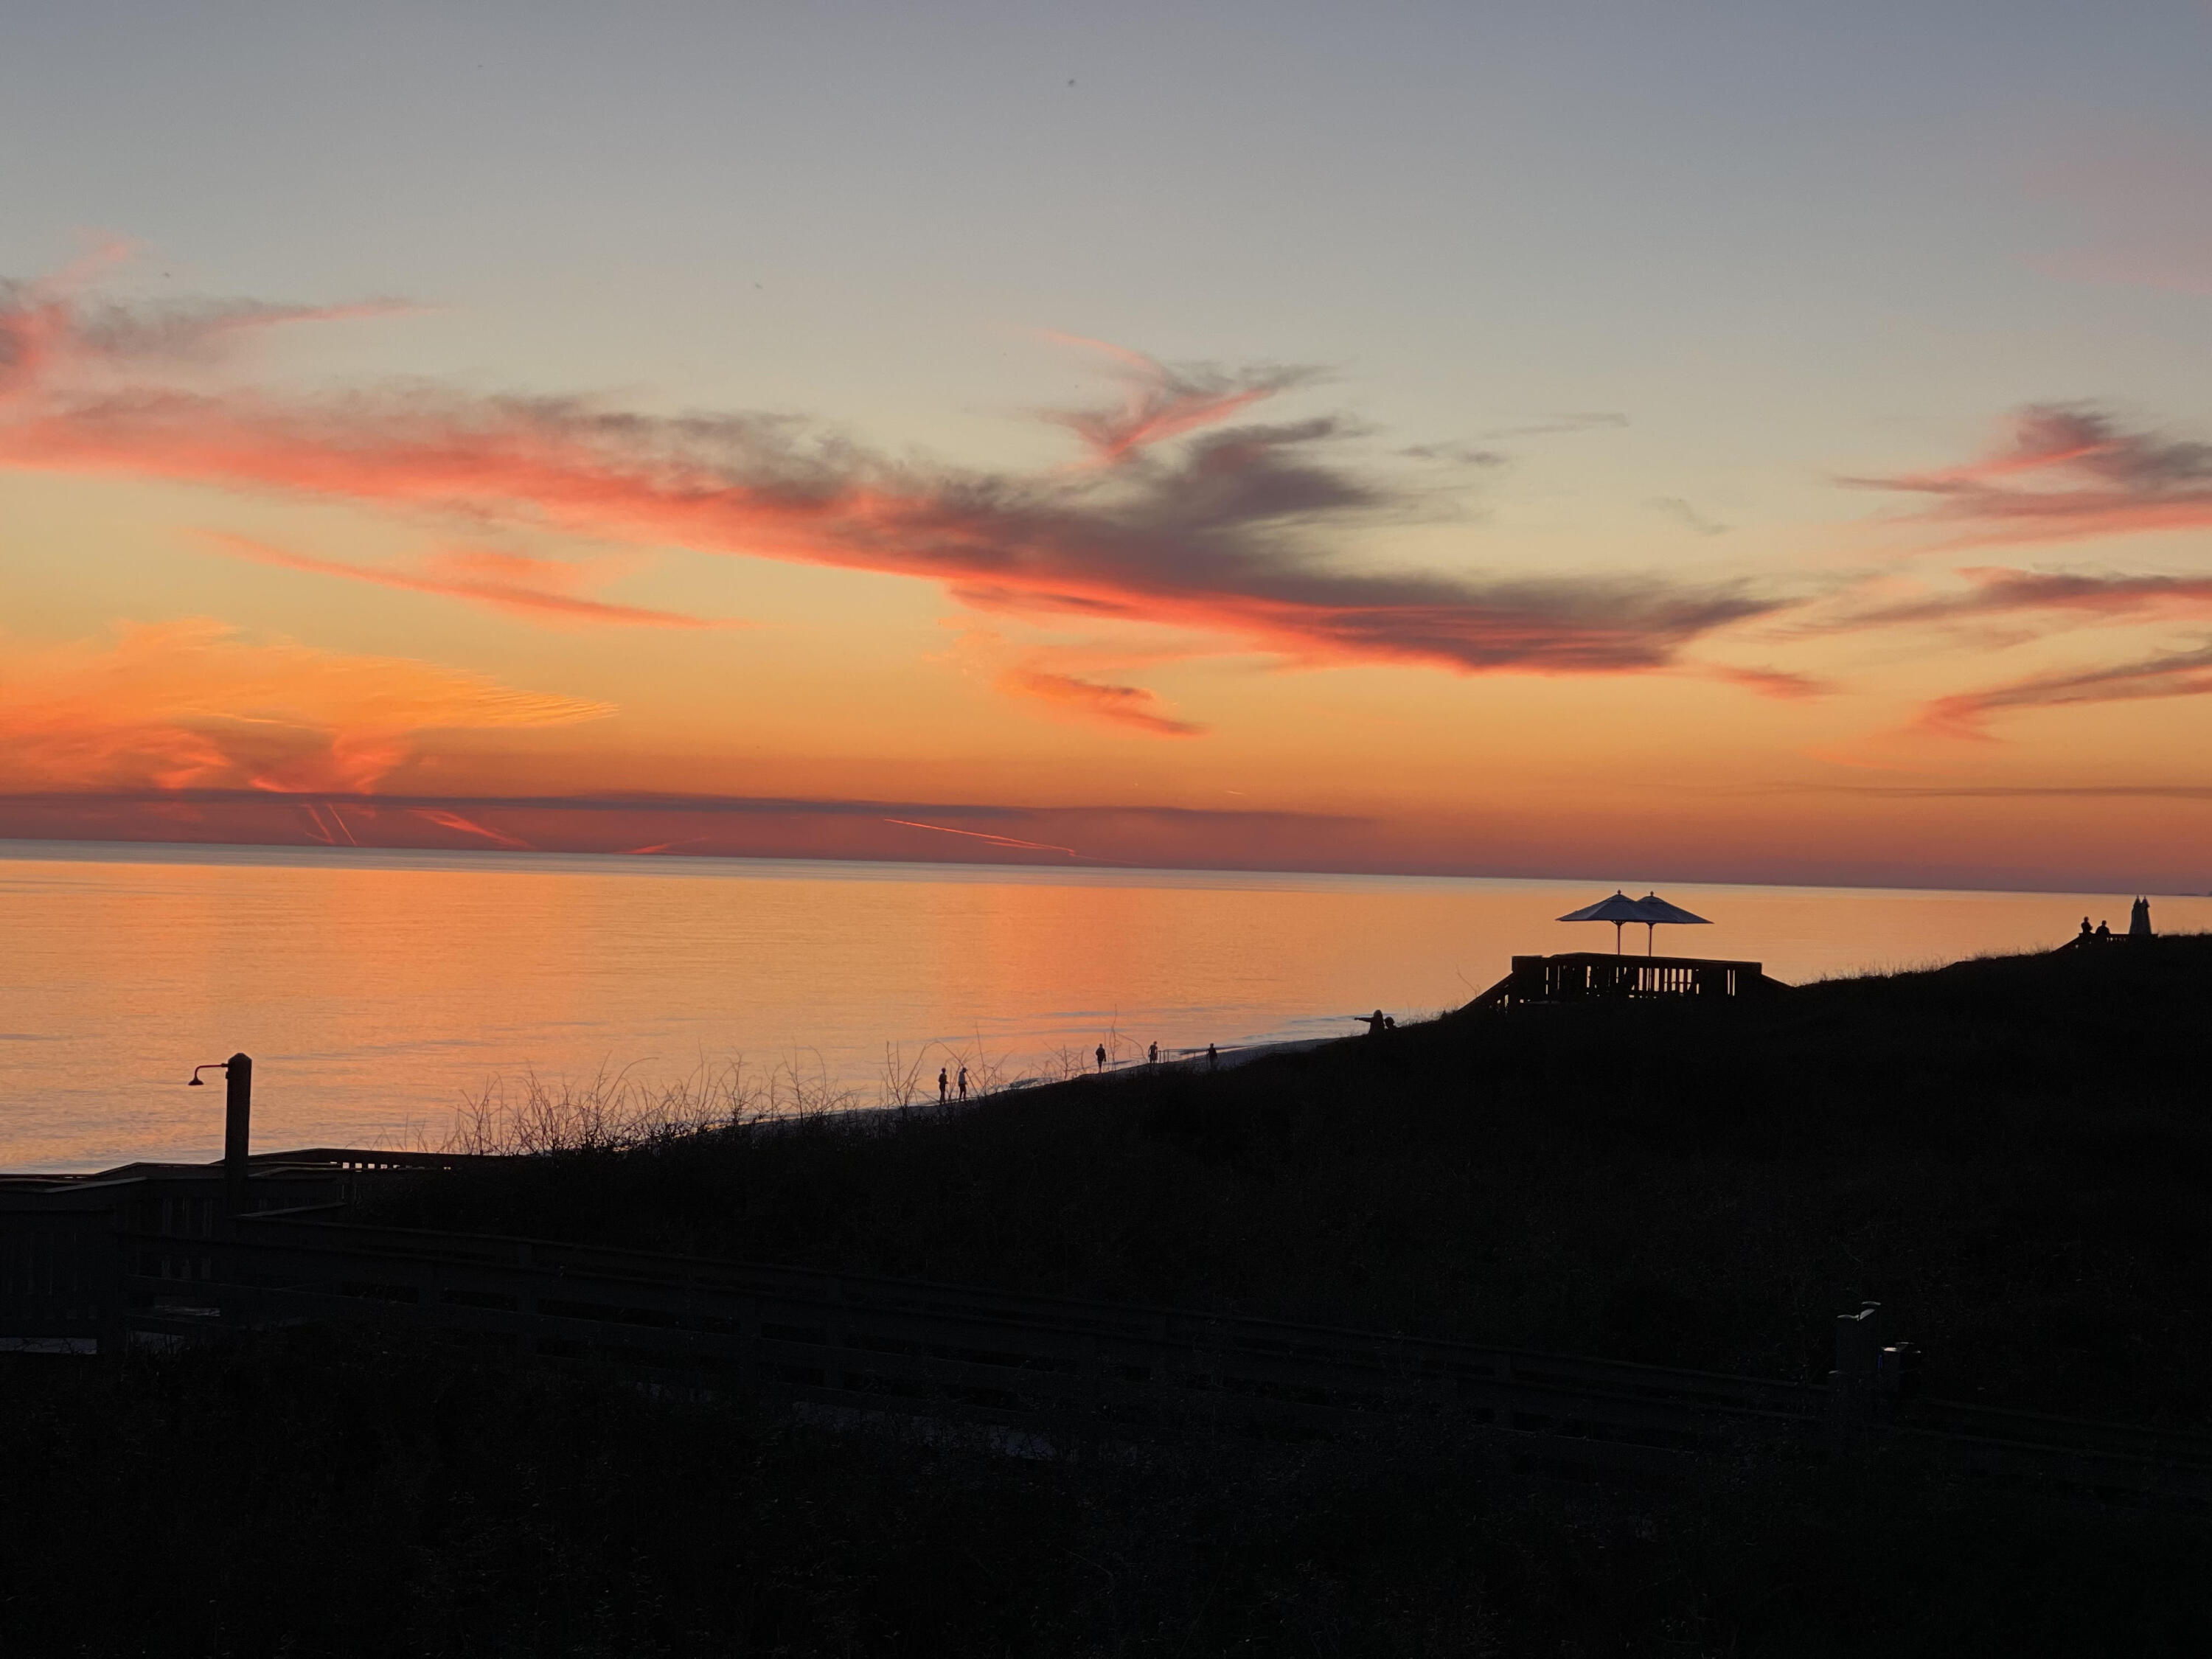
x=309, y=541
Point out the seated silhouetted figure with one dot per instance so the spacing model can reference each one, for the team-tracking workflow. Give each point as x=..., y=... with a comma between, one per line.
x=2104, y=930
x=2139, y=919
x=2086, y=930
x=1376, y=1023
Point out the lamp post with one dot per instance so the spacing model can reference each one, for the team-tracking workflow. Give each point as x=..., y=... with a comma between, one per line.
x=237, y=1123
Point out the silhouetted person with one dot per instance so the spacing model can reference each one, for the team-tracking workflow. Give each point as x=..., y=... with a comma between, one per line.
x=943, y=1088
x=2104, y=930
x=2139, y=919
x=1212, y=1058
x=1153, y=1055
x=1375, y=1024
x=2086, y=930
x=1389, y=1023
x=1101, y=1059
x=964, y=1083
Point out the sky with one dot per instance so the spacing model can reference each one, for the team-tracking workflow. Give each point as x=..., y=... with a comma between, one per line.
x=1755, y=442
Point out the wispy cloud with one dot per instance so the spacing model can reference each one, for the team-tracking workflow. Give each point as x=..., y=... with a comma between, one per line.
x=1686, y=516
x=1012, y=842
x=2028, y=791
x=1779, y=682
x=1457, y=454
x=1130, y=707
x=59, y=329
x=1235, y=532
x=1594, y=420
x=1994, y=591
x=1160, y=401
x=446, y=818
x=2177, y=674
x=194, y=703
x=2068, y=472
x=718, y=825
x=513, y=584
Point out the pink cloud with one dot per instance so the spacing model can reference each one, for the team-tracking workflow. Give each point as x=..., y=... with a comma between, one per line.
x=1159, y=403
x=513, y=584
x=1995, y=591
x=1778, y=682
x=1129, y=708
x=1011, y=841
x=193, y=704
x=2068, y=472
x=1967, y=714
x=1232, y=535
x=449, y=820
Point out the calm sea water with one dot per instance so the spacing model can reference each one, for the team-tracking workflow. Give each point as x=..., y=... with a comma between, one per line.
x=376, y=990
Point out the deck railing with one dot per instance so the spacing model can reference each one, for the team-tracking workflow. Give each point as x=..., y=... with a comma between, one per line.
x=1591, y=975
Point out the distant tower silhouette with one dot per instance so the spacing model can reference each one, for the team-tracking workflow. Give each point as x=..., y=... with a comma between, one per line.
x=2139, y=919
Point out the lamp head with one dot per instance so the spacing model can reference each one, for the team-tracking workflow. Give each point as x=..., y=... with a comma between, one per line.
x=213, y=1065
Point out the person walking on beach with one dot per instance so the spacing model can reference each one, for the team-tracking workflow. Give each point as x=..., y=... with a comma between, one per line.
x=1102, y=1060
x=1212, y=1058
x=964, y=1085
x=943, y=1089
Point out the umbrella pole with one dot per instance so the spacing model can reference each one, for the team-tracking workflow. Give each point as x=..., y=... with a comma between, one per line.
x=1616, y=938
x=1650, y=933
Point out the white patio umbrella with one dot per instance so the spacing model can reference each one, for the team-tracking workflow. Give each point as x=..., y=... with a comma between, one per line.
x=1658, y=910
x=1619, y=909
x=1651, y=910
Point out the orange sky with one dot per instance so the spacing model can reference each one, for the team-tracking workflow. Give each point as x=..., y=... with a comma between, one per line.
x=1225, y=625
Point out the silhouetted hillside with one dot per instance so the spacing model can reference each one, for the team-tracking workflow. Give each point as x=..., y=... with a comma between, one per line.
x=2013, y=1155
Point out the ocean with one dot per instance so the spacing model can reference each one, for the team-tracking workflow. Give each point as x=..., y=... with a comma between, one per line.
x=378, y=991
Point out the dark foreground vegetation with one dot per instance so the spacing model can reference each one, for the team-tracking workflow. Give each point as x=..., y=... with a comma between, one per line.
x=339, y=1493
x=2014, y=1156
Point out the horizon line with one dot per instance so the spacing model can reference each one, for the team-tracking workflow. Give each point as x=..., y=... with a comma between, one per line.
x=9, y=841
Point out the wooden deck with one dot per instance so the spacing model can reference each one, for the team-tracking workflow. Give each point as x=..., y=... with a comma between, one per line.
x=1596, y=976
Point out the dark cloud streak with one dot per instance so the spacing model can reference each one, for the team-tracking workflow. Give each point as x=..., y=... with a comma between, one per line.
x=2178, y=674
x=1998, y=592
x=1235, y=532
x=2068, y=472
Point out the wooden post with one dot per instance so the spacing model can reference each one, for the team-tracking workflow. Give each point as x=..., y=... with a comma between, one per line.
x=237, y=1129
